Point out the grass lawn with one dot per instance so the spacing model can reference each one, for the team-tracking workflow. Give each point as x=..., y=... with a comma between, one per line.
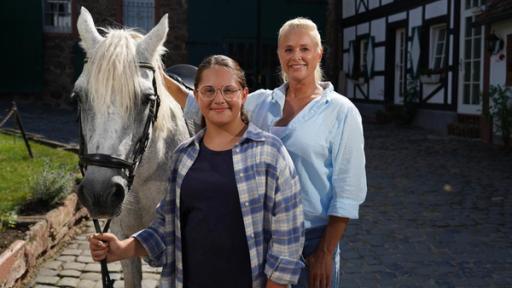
x=17, y=168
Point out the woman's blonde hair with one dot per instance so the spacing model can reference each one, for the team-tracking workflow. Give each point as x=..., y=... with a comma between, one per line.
x=309, y=26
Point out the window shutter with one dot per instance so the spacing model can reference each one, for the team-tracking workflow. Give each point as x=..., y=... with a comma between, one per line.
x=415, y=51
x=370, y=57
x=351, y=59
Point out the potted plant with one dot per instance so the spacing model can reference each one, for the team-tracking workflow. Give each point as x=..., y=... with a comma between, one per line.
x=501, y=111
x=431, y=76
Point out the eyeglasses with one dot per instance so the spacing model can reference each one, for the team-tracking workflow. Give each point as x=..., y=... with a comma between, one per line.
x=228, y=92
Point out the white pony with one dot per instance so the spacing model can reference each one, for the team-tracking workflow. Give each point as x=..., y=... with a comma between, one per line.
x=116, y=92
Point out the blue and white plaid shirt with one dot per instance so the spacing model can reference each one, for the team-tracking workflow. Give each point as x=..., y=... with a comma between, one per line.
x=271, y=205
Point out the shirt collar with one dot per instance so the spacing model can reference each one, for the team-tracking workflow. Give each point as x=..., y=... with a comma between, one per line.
x=279, y=94
x=252, y=133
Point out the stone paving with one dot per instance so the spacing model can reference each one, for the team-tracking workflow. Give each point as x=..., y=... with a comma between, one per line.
x=438, y=214
x=74, y=267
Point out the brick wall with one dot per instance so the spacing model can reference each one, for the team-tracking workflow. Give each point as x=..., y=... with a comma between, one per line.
x=60, y=51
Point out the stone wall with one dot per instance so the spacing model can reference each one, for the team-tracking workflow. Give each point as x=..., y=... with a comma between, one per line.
x=49, y=234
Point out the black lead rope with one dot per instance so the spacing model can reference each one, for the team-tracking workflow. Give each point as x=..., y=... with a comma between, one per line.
x=105, y=276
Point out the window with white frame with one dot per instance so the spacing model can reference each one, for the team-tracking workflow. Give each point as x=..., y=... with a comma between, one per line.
x=139, y=14
x=438, y=36
x=57, y=16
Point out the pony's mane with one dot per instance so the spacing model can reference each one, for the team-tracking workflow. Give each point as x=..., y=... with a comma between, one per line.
x=113, y=74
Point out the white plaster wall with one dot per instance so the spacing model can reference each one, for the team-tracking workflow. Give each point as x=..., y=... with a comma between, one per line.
x=358, y=93
x=379, y=29
x=345, y=62
x=350, y=88
x=349, y=34
x=438, y=98
x=435, y=9
x=373, y=4
x=415, y=18
x=377, y=88
x=363, y=28
x=380, y=58
x=397, y=17
x=498, y=67
x=348, y=8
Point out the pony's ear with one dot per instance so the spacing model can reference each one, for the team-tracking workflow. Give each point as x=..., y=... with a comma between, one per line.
x=88, y=33
x=148, y=46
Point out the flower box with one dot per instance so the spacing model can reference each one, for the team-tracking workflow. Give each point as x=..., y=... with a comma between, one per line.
x=430, y=78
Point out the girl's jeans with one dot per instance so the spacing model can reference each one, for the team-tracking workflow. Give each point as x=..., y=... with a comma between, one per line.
x=313, y=236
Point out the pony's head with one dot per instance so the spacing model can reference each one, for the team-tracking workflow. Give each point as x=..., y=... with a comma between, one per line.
x=117, y=94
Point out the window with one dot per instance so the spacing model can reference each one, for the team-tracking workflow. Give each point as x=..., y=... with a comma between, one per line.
x=363, y=50
x=474, y=3
x=57, y=16
x=139, y=14
x=438, y=47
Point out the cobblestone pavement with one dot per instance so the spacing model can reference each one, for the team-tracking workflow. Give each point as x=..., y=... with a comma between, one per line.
x=74, y=267
x=438, y=213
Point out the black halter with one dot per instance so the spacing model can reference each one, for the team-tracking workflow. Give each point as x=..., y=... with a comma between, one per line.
x=127, y=165
x=108, y=161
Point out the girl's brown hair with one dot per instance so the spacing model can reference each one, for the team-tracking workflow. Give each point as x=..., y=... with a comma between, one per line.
x=228, y=63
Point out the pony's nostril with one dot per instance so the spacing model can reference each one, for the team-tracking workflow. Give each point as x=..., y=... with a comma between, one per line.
x=117, y=194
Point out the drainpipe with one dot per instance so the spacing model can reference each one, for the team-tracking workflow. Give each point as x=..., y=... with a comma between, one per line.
x=485, y=119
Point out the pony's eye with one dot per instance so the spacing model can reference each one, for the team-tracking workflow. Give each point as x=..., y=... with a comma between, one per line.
x=148, y=97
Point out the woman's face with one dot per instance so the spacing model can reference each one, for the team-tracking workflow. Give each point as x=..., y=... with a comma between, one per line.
x=217, y=109
x=299, y=55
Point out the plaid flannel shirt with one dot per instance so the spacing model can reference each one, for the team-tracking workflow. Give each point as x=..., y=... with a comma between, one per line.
x=271, y=205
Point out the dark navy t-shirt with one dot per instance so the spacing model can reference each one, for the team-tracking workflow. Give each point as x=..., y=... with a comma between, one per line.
x=214, y=243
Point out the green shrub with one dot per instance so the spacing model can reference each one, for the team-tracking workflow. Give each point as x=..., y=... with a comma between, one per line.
x=51, y=185
x=7, y=220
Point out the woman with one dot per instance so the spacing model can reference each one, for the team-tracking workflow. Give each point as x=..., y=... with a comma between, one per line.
x=233, y=215
x=323, y=133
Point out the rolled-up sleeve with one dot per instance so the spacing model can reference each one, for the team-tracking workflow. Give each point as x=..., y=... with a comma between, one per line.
x=283, y=264
x=349, y=174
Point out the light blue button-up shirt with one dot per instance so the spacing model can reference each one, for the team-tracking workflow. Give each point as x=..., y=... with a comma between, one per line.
x=325, y=141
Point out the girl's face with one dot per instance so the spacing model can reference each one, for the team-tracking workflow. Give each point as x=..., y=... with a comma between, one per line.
x=220, y=96
x=299, y=55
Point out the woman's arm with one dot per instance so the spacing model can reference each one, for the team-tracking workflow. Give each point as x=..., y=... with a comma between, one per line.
x=321, y=261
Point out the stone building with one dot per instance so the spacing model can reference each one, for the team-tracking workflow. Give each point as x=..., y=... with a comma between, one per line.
x=42, y=57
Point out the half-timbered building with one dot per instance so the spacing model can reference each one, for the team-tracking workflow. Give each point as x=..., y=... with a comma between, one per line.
x=426, y=51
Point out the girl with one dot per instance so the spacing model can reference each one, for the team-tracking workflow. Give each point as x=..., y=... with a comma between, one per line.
x=233, y=216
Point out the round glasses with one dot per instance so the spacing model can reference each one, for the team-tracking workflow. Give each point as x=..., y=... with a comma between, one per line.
x=228, y=92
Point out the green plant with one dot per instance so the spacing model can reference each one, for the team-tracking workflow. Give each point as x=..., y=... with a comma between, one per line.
x=425, y=70
x=7, y=220
x=410, y=103
x=501, y=110
x=51, y=185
